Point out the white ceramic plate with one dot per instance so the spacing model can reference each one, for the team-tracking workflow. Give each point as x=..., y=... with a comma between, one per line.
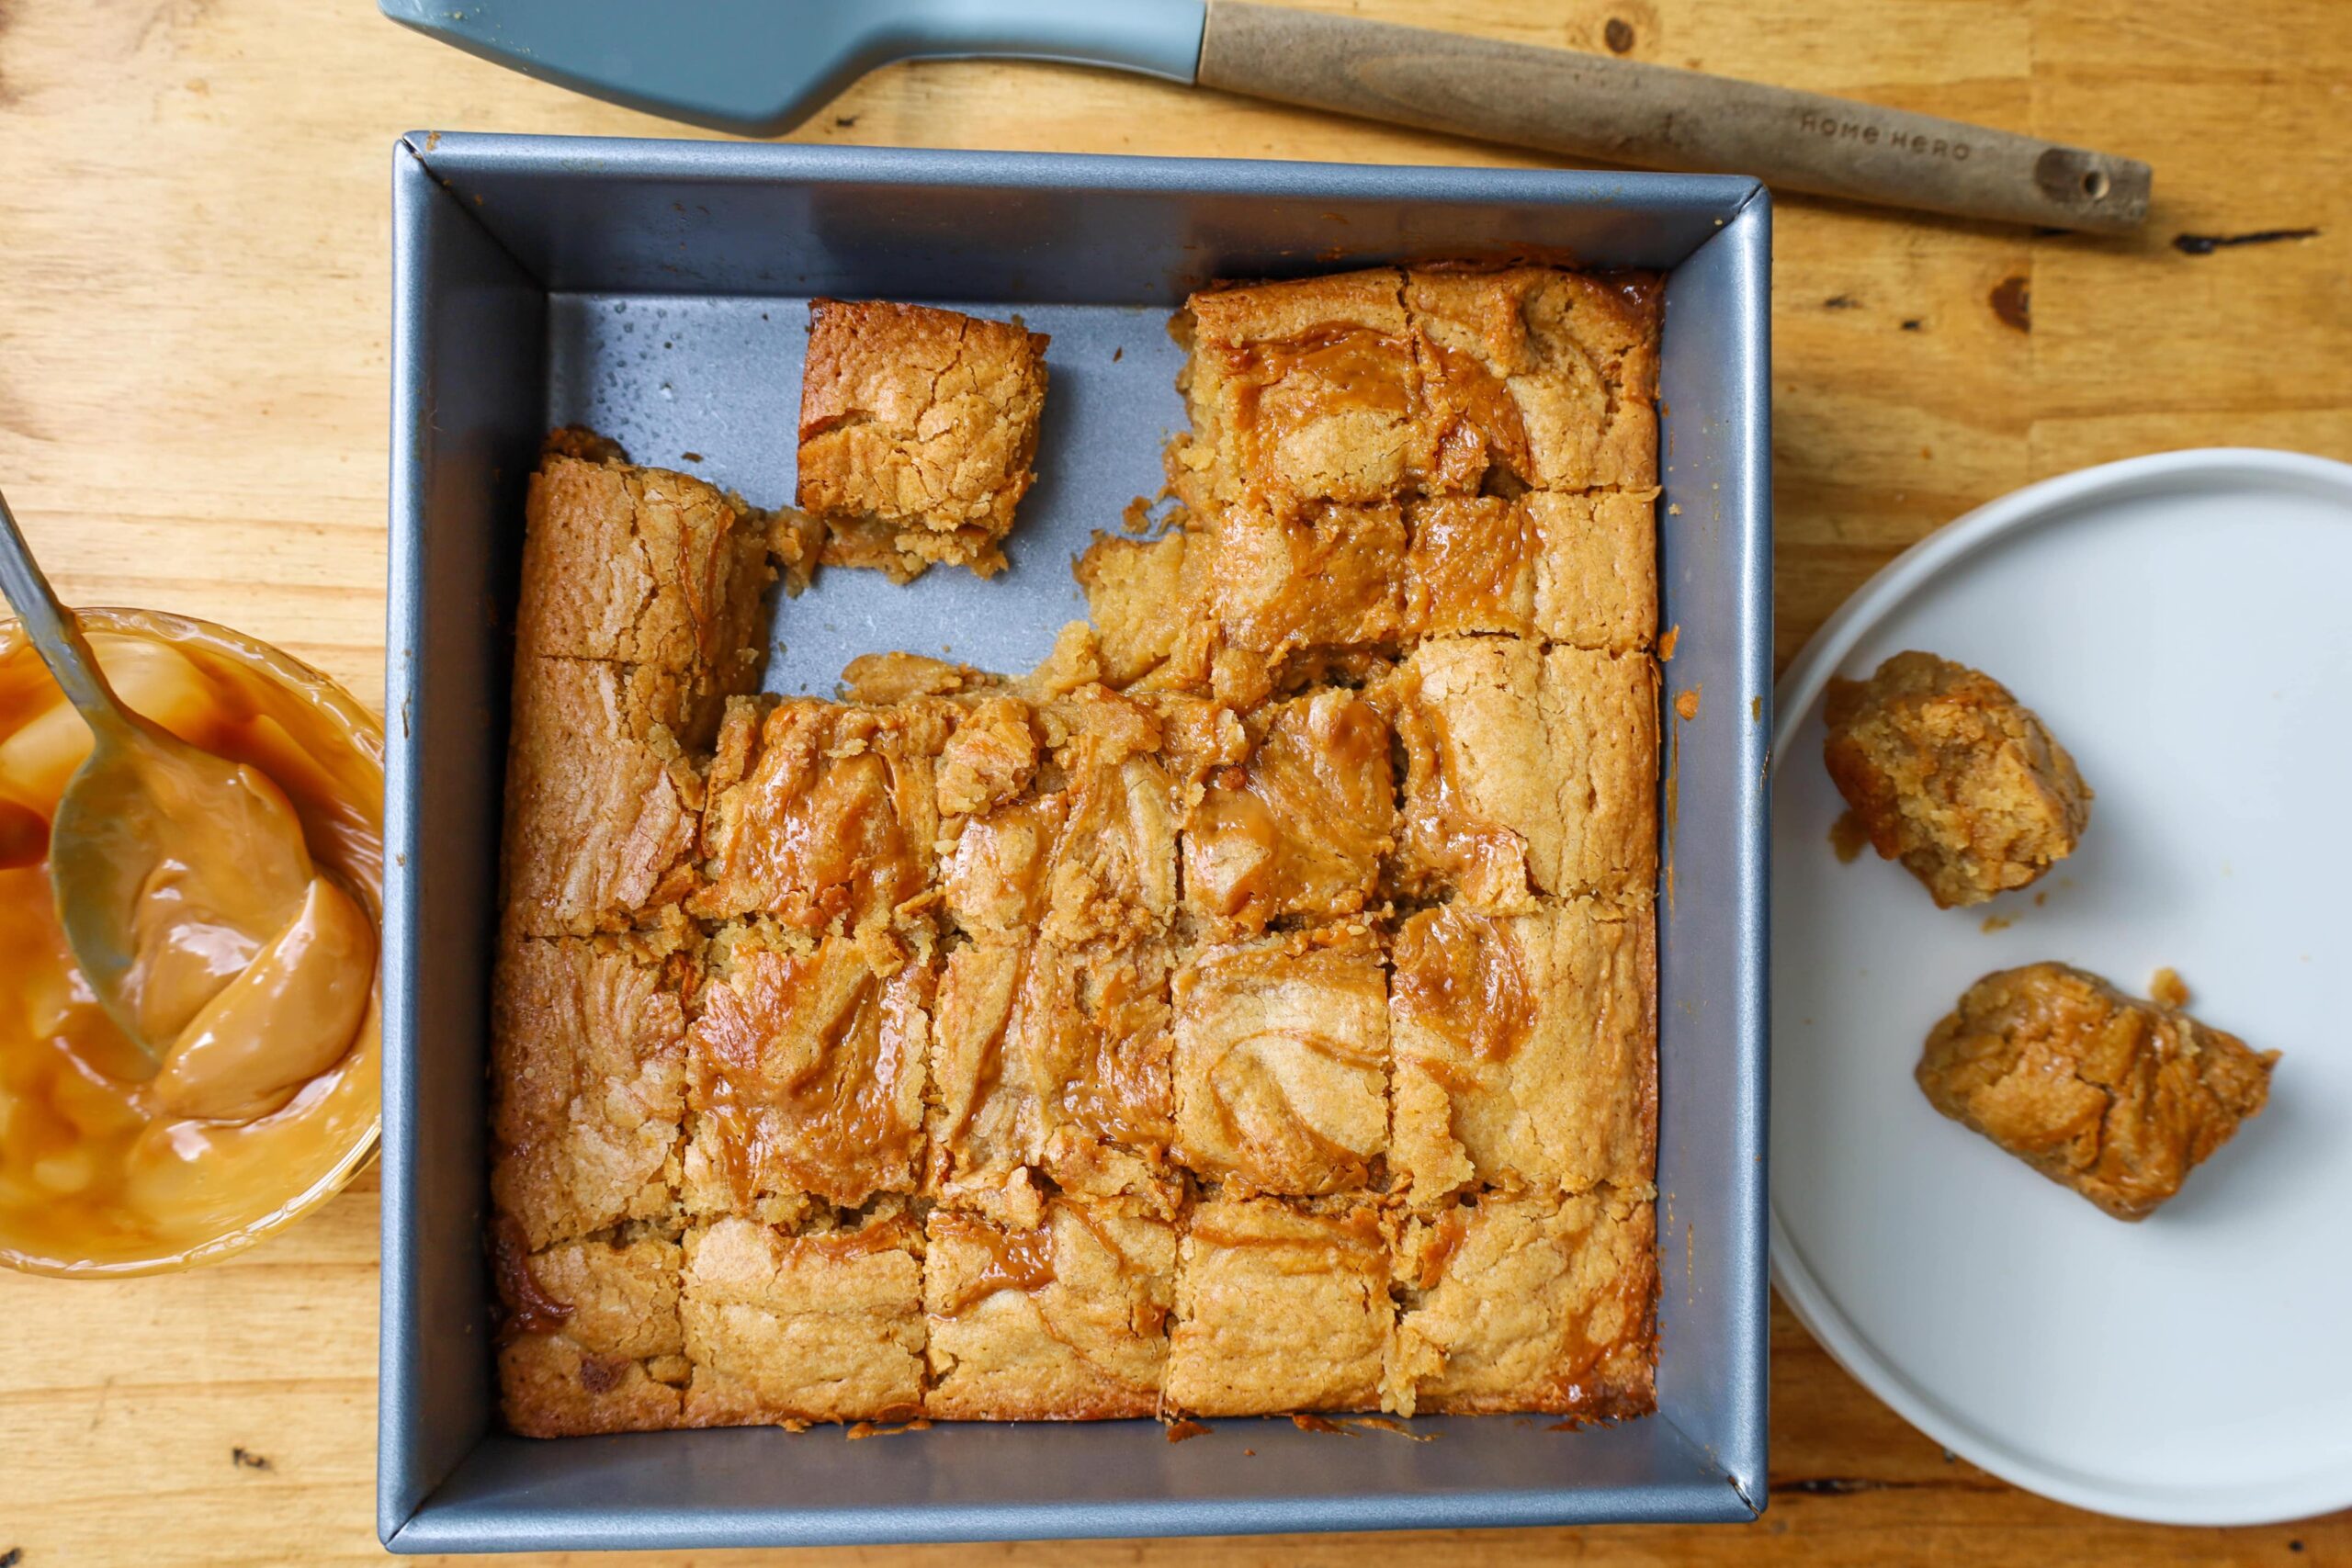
x=2183, y=622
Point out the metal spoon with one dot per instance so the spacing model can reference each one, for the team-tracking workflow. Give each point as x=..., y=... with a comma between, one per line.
x=164, y=860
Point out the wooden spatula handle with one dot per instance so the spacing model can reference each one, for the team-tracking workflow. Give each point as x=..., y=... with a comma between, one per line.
x=1627, y=111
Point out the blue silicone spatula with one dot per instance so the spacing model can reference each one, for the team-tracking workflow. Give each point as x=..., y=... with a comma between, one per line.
x=760, y=67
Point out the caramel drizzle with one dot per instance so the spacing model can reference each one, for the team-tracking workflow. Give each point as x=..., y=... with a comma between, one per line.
x=1482, y=422
x=1439, y=825
x=1022, y=1261
x=1462, y=978
x=1315, y=801
x=828, y=1127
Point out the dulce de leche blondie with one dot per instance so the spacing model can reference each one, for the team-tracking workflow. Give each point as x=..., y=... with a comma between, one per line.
x=1250, y=1010
x=2116, y=1098
x=918, y=427
x=1948, y=772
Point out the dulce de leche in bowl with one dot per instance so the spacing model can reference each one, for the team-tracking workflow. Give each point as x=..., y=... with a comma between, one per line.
x=267, y=1098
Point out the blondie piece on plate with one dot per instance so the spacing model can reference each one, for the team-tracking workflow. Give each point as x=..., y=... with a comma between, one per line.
x=1064, y=1320
x=1528, y=771
x=1528, y=1303
x=918, y=427
x=2116, y=1098
x=783, y=1328
x=1525, y=1049
x=1950, y=774
x=591, y=1340
x=1282, y=1304
x=1281, y=1061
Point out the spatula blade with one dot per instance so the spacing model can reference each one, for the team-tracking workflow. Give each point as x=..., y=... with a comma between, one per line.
x=760, y=67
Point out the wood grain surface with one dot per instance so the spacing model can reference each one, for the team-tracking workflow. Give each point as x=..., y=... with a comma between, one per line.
x=194, y=260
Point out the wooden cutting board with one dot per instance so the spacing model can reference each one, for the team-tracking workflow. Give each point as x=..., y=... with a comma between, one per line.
x=193, y=319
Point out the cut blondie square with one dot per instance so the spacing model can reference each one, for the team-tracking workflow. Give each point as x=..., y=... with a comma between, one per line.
x=804, y=1074
x=1535, y=1305
x=644, y=567
x=1301, y=825
x=822, y=815
x=1089, y=856
x=588, y=1067
x=1281, y=1305
x=1525, y=1049
x=1300, y=392
x=918, y=427
x=1054, y=1060
x=783, y=1329
x=592, y=1340
x=1281, y=1061
x=1546, y=375
x=1271, y=585
x=603, y=801
x=1065, y=1321
x=1528, y=771
x=1573, y=569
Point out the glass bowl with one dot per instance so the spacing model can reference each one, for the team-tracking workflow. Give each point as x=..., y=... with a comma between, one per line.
x=95, y=1181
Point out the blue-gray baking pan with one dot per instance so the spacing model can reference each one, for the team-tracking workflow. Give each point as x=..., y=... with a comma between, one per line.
x=658, y=290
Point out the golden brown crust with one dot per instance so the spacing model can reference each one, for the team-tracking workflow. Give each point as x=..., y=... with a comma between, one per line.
x=1528, y=771
x=1270, y=584
x=1595, y=569
x=603, y=802
x=1537, y=1303
x=593, y=1341
x=1281, y=1305
x=1053, y=1060
x=1300, y=827
x=2116, y=1098
x=918, y=427
x=641, y=566
x=823, y=1326
x=1376, y=385
x=1950, y=773
x=1525, y=1050
x=1302, y=392
x=1282, y=1063
x=1063, y=1321
x=587, y=1082
x=821, y=815
x=805, y=1073
x=1551, y=376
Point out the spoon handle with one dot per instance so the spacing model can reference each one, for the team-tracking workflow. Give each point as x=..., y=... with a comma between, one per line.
x=56, y=635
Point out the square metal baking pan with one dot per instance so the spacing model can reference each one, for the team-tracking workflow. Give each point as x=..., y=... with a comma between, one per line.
x=657, y=290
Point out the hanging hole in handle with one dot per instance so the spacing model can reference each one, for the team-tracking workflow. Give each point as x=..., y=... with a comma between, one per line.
x=2095, y=183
